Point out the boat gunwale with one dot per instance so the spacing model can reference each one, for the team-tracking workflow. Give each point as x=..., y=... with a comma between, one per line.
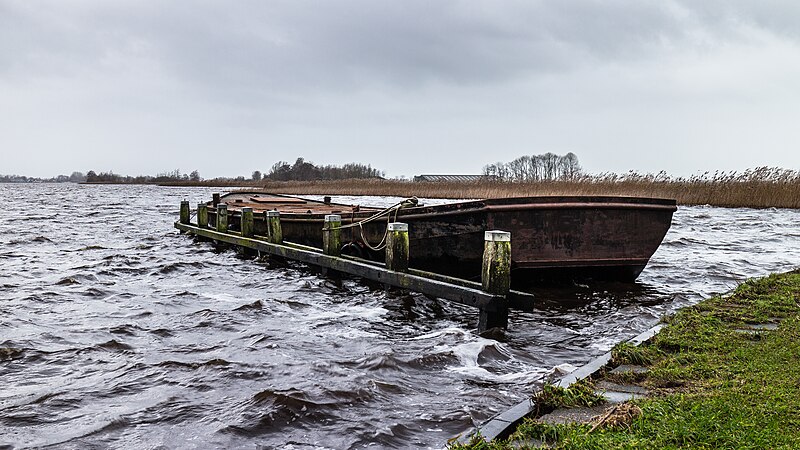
x=509, y=204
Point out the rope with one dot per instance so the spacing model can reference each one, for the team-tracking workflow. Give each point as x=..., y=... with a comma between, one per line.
x=407, y=203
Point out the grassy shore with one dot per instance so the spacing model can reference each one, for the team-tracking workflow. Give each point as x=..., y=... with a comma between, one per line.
x=714, y=387
x=758, y=188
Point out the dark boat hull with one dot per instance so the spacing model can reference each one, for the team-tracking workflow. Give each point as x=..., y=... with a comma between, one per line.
x=552, y=238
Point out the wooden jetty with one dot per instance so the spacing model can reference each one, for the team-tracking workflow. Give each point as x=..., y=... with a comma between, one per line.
x=492, y=296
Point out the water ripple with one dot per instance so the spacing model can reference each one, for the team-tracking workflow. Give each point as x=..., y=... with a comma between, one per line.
x=116, y=331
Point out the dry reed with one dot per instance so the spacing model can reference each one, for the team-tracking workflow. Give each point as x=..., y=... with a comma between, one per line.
x=763, y=187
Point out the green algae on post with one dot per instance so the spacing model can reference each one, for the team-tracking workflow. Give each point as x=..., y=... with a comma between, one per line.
x=332, y=235
x=397, y=247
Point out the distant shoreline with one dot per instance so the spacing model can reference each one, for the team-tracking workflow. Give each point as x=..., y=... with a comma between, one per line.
x=732, y=193
x=724, y=192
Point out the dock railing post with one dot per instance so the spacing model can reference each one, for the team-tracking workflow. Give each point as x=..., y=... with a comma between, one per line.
x=247, y=227
x=222, y=218
x=274, y=232
x=214, y=199
x=247, y=222
x=202, y=215
x=332, y=235
x=185, y=212
x=397, y=247
x=495, y=276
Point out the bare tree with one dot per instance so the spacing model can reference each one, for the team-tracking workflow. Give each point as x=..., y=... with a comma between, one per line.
x=544, y=167
x=550, y=165
x=570, y=167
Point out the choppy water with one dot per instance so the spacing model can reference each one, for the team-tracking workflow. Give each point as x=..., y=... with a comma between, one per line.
x=115, y=331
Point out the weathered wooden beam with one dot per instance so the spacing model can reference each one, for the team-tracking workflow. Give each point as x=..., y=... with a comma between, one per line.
x=202, y=215
x=496, y=269
x=460, y=294
x=184, y=212
x=524, y=301
x=332, y=235
x=247, y=224
x=274, y=233
x=247, y=227
x=222, y=217
x=496, y=275
x=397, y=247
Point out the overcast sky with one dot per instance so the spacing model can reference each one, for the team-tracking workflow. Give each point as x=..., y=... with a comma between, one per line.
x=410, y=87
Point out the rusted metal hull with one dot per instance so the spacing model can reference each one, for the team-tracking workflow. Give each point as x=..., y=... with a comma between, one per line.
x=553, y=238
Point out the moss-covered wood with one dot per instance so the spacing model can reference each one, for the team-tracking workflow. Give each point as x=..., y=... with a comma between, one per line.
x=495, y=276
x=202, y=215
x=332, y=235
x=496, y=268
x=247, y=224
x=397, y=247
x=462, y=294
x=222, y=217
x=274, y=232
x=184, y=212
x=455, y=289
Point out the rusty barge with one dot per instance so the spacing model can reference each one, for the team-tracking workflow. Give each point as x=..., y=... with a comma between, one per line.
x=554, y=238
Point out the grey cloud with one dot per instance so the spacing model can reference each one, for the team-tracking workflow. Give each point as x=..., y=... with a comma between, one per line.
x=349, y=77
x=268, y=47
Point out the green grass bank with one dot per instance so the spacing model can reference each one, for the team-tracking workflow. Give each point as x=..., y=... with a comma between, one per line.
x=724, y=374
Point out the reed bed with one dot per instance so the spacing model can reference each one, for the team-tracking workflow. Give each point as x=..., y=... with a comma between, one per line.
x=756, y=188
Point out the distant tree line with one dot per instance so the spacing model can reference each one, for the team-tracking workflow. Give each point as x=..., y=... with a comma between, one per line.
x=303, y=170
x=544, y=167
x=76, y=177
x=111, y=177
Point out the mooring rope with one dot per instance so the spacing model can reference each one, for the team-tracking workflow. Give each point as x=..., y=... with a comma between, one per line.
x=407, y=203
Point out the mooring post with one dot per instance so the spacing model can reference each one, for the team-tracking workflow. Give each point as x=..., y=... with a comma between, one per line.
x=214, y=200
x=185, y=212
x=247, y=222
x=247, y=227
x=397, y=247
x=332, y=235
x=202, y=215
x=222, y=217
x=274, y=232
x=495, y=277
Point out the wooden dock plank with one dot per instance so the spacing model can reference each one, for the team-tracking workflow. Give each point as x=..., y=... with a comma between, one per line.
x=413, y=281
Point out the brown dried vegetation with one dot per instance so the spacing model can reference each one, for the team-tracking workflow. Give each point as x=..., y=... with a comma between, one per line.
x=617, y=416
x=757, y=188
x=763, y=187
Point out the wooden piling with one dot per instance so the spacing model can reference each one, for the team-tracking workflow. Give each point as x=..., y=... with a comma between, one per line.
x=247, y=224
x=247, y=228
x=214, y=199
x=397, y=247
x=274, y=232
x=495, y=276
x=493, y=307
x=202, y=215
x=332, y=235
x=222, y=217
x=184, y=212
